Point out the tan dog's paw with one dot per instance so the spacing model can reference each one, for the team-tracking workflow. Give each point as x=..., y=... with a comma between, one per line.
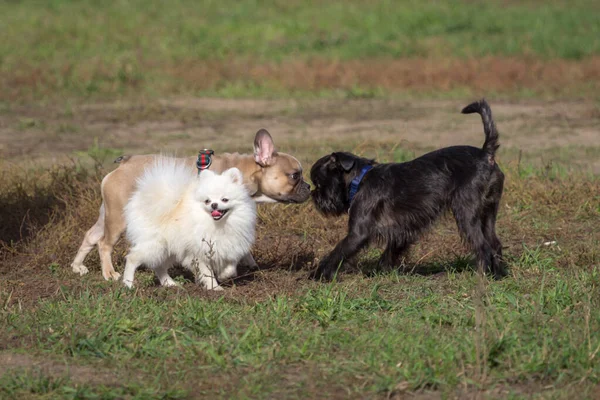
x=80, y=269
x=111, y=276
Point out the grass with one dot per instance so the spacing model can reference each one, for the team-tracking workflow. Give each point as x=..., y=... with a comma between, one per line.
x=357, y=337
x=231, y=48
x=433, y=329
x=62, y=30
x=436, y=328
x=37, y=385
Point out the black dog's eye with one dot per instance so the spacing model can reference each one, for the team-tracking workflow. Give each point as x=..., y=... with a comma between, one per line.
x=224, y=199
x=207, y=201
x=295, y=176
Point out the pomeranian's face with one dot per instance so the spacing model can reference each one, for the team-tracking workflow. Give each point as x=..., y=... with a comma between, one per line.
x=220, y=194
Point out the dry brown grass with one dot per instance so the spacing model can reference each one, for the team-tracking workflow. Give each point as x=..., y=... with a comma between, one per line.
x=290, y=239
x=502, y=74
x=499, y=74
x=560, y=132
x=32, y=200
x=45, y=212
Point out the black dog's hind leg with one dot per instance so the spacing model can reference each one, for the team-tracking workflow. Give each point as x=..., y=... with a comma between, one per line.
x=468, y=220
x=357, y=238
x=490, y=213
x=489, y=232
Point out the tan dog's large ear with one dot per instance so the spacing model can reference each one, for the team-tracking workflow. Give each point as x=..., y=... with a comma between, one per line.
x=263, y=148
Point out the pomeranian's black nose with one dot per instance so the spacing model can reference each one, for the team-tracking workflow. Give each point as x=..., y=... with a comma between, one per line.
x=214, y=206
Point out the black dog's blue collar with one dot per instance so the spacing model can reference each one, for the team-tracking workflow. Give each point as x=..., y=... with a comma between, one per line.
x=356, y=182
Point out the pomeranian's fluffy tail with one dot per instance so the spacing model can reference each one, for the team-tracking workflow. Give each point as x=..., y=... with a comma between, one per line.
x=163, y=185
x=482, y=108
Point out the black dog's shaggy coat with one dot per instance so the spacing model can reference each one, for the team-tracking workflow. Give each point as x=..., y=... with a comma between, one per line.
x=395, y=203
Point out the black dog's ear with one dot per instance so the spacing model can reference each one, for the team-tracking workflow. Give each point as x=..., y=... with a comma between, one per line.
x=346, y=161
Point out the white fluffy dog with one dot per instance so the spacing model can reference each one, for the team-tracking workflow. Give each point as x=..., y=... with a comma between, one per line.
x=204, y=222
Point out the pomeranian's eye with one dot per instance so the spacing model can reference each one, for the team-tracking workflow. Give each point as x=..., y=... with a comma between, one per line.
x=207, y=201
x=224, y=199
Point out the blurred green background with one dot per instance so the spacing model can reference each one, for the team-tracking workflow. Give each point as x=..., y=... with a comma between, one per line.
x=257, y=48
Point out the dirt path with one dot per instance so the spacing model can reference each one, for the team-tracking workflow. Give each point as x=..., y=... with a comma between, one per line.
x=91, y=375
x=567, y=132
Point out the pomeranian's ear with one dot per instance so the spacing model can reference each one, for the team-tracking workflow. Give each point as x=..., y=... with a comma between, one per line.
x=235, y=175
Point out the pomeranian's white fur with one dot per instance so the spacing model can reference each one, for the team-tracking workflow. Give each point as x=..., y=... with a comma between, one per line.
x=204, y=222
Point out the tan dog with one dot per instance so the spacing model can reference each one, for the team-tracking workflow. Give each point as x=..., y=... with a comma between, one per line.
x=268, y=175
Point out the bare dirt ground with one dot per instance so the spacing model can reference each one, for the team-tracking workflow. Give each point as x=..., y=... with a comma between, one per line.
x=57, y=369
x=543, y=132
x=552, y=78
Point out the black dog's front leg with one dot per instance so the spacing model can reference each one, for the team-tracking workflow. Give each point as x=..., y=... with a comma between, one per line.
x=357, y=238
x=344, y=250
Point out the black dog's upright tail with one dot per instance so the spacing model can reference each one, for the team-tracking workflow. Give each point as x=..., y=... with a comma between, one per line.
x=482, y=108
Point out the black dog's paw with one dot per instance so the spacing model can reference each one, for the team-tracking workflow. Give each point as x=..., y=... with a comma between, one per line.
x=321, y=274
x=500, y=274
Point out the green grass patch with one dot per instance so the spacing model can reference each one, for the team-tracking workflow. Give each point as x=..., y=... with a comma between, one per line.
x=366, y=336
x=120, y=32
x=86, y=48
x=39, y=385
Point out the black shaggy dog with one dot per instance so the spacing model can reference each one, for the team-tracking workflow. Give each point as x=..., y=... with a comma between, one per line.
x=395, y=203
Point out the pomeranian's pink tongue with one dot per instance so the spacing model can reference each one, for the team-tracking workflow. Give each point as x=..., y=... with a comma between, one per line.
x=216, y=213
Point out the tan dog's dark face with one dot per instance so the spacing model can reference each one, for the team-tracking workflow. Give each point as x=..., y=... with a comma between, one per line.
x=281, y=174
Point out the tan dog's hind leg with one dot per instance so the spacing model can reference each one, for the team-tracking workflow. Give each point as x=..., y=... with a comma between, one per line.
x=91, y=238
x=112, y=233
x=116, y=189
